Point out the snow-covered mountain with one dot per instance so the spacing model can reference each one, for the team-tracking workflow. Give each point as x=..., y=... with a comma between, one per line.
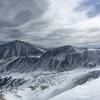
x=19, y=48
x=69, y=57
x=26, y=67
x=25, y=57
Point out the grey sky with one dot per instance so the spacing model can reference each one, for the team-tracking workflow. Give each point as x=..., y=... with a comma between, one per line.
x=50, y=22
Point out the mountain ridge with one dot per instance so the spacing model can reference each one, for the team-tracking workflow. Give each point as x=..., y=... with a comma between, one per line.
x=31, y=58
x=19, y=48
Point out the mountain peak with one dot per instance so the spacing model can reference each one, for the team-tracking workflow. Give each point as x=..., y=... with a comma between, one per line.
x=17, y=41
x=18, y=48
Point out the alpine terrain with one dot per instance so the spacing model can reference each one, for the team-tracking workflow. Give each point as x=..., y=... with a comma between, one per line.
x=26, y=68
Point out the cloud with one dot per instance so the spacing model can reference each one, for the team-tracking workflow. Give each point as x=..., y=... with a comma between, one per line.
x=62, y=12
x=50, y=22
x=10, y=34
x=21, y=11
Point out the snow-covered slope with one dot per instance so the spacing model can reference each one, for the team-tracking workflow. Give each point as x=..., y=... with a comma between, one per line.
x=46, y=85
x=9, y=83
x=19, y=64
x=19, y=48
x=88, y=91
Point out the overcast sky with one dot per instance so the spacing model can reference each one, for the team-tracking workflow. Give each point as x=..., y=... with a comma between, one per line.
x=51, y=22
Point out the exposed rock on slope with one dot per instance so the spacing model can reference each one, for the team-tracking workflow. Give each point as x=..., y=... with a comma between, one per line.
x=8, y=83
x=19, y=48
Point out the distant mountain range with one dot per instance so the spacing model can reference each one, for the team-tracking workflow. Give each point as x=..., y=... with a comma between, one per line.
x=3, y=42
x=19, y=56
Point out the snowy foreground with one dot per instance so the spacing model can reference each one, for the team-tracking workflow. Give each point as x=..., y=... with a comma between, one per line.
x=88, y=91
x=61, y=86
